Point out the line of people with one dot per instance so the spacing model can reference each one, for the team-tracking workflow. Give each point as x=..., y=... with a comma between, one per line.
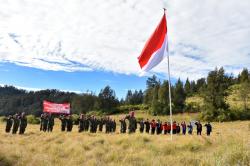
x=92, y=124
x=16, y=122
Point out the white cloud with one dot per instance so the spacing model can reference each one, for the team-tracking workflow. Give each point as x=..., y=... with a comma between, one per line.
x=81, y=35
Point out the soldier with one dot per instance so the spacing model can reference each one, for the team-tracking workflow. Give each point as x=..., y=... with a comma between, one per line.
x=69, y=123
x=101, y=123
x=9, y=123
x=51, y=122
x=63, y=122
x=183, y=126
x=178, y=128
x=132, y=122
x=41, y=122
x=147, y=124
x=190, y=128
x=16, y=123
x=87, y=123
x=141, y=126
x=123, y=125
x=107, y=125
x=198, y=127
x=209, y=128
x=81, y=123
x=45, y=122
x=158, y=127
x=23, y=123
x=153, y=126
x=114, y=125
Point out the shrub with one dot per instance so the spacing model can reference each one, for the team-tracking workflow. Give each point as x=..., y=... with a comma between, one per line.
x=32, y=119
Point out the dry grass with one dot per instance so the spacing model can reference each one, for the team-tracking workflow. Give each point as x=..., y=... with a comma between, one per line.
x=228, y=145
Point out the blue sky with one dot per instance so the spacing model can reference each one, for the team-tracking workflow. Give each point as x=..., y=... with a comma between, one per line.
x=78, y=45
x=35, y=79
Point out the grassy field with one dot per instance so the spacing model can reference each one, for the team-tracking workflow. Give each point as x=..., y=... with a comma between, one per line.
x=229, y=144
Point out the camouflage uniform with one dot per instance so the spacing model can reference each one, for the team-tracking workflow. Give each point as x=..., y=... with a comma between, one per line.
x=51, y=123
x=16, y=123
x=9, y=123
x=23, y=124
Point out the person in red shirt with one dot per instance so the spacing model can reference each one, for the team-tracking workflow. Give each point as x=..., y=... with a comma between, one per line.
x=169, y=127
x=174, y=127
x=153, y=126
x=165, y=127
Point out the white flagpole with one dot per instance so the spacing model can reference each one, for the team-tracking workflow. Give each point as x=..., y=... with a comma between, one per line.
x=169, y=92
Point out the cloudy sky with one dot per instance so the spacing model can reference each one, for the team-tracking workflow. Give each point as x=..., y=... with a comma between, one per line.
x=81, y=44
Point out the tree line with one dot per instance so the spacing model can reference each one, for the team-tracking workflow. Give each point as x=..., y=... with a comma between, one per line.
x=212, y=91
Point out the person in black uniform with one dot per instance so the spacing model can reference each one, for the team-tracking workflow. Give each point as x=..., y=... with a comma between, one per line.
x=23, y=123
x=16, y=123
x=63, y=122
x=147, y=125
x=51, y=122
x=198, y=127
x=9, y=123
x=209, y=128
x=69, y=123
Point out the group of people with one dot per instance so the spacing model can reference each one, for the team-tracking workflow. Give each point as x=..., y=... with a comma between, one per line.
x=47, y=122
x=16, y=122
x=92, y=124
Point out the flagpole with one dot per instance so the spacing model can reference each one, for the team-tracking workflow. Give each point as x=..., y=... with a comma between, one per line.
x=169, y=91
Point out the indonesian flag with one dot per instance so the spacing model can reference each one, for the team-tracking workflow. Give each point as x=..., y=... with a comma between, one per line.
x=156, y=47
x=50, y=107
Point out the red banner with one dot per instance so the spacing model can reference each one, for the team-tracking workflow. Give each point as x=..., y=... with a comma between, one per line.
x=50, y=107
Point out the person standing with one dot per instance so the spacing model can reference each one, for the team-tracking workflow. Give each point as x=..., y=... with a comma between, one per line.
x=123, y=125
x=141, y=126
x=183, y=126
x=45, y=122
x=16, y=123
x=209, y=128
x=158, y=127
x=69, y=123
x=51, y=122
x=63, y=122
x=147, y=125
x=9, y=123
x=153, y=126
x=190, y=128
x=41, y=122
x=198, y=127
x=23, y=123
x=132, y=123
x=178, y=128
x=81, y=123
x=165, y=128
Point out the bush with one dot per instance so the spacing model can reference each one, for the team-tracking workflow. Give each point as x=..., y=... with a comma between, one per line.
x=2, y=119
x=32, y=119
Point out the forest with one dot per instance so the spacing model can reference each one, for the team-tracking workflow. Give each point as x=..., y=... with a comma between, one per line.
x=217, y=97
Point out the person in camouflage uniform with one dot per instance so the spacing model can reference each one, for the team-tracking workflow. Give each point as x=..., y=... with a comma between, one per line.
x=23, y=123
x=81, y=123
x=9, y=123
x=87, y=123
x=123, y=125
x=16, y=123
x=63, y=122
x=132, y=123
x=45, y=122
x=69, y=123
x=101, y=123
x=147, y=125
x=41, y=122
x=51, y=122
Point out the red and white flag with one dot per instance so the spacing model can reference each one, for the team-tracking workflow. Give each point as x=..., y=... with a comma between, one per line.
x=156, y=47
x=50, y=107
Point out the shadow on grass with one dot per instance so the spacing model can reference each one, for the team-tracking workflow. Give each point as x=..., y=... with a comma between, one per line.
x=5, y=162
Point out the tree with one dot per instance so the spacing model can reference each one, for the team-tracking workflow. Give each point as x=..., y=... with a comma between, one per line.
x=244, y=93
x=244, y=76
x=187, y=87
x=179, y=97
x=214, y=96
x=107, y=100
